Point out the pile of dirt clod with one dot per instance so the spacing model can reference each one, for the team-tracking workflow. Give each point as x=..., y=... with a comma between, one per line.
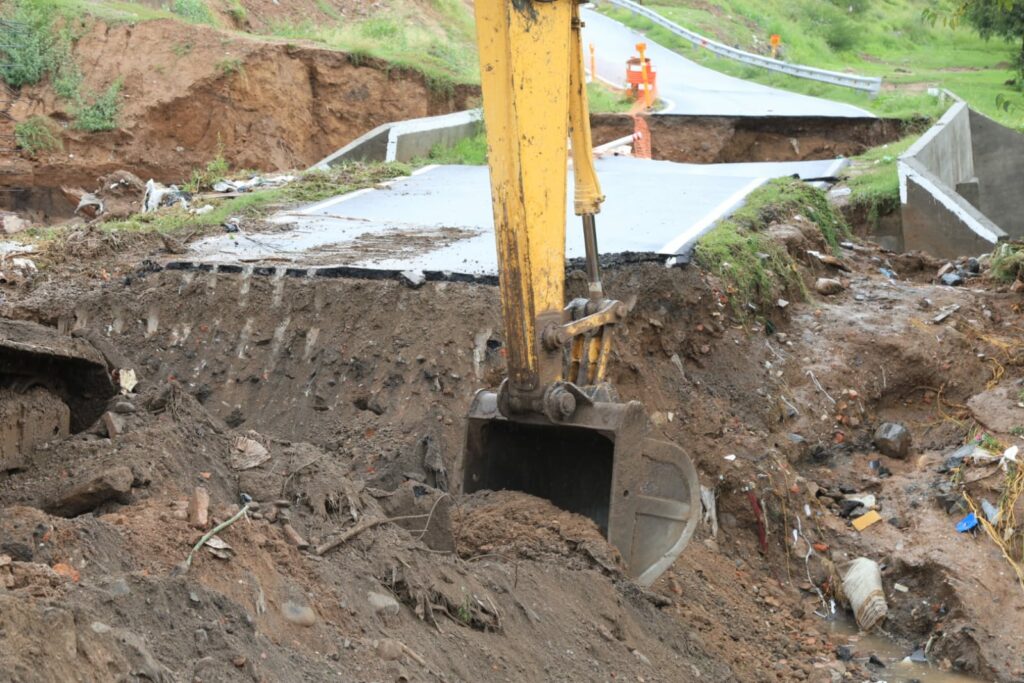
x=513, y=525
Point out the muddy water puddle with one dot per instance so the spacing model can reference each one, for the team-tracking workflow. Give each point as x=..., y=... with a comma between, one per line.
x=898, y=666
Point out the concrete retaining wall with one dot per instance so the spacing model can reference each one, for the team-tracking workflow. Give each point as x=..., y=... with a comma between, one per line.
x=943, y=191
x=999, y=167
x=408, y=140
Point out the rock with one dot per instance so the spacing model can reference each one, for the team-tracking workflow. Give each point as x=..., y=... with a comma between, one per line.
x=844, y=653
x=997, y=409
x=389, y=650
x=828, y=286
x=944, y=270
x=124, y=408
x=199, y=508
x=303, y=615
x=113, y=423
x=973, y=266
x=113, y=484
x=11, y=224
x=893, y=439
x=383, y=604
x=952, y=279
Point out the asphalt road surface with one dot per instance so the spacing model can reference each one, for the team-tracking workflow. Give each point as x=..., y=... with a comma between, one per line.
x=440, y=220
x=688, y=88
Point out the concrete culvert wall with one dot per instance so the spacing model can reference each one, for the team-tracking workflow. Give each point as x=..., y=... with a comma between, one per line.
x=961, y=184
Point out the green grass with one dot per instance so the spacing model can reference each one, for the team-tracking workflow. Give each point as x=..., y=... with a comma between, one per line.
x=443, y=51
x=756, y=268
x=604, y=100
x=885, y=38
x=230, y=66
x=216, y=170
x=194, y=11
x=874, y=180
x=467, y=152
x=311, y=187
x=38, y=134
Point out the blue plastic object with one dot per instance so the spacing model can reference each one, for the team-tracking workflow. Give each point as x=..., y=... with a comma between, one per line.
x=968, y=523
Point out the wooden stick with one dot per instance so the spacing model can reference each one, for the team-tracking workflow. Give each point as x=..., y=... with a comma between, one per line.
x=327, y=547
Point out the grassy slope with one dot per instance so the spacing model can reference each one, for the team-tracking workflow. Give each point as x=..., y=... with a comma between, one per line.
x=884, y=38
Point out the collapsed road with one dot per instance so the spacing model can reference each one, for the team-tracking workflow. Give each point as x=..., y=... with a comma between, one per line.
x=239, y=456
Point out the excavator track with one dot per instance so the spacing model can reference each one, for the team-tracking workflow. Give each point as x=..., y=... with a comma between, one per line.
x=51, y=385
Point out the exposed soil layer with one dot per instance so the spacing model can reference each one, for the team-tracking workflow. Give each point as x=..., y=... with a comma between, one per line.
x=721, y=139
x=190, y=92
x=358, y=389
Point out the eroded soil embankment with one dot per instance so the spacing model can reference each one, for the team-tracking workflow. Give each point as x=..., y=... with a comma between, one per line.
x=191, y=92
x=377, y=377
x=724, y=139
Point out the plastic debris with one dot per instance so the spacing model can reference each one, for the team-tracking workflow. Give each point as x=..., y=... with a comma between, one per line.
x=254, y=183
x=862, y=585
x=992, y=513
x=968, y=523
x=127, y=380
x=710, y=504
x=159, y=196
x=89, y=205
x=865, y=521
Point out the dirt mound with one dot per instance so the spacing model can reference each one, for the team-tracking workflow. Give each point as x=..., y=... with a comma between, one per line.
x=514, y=525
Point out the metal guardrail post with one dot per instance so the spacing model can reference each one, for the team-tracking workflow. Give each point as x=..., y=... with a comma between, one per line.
x=867, y=84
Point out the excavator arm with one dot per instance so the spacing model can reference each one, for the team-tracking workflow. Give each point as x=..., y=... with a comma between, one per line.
x=553, y=429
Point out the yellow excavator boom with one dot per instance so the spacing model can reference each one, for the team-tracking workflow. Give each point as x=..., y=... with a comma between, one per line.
x=554, y=428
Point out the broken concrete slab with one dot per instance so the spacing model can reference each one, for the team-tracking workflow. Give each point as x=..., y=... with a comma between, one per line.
x=388, y=229
x=111, y=485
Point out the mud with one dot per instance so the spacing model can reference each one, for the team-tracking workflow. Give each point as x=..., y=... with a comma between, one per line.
x=344, y=380
x=717, y=139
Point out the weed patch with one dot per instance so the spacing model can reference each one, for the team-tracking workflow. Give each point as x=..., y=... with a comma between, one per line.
x=194, y=11
x=1008, y=262
x=312, y=186
x=102, y=113
x=756, y=268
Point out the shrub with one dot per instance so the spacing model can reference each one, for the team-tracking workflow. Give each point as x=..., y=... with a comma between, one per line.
x=26, y=50
x=103, y=113
x=37, y=134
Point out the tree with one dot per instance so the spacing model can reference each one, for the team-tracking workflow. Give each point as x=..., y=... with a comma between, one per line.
x=998, y=19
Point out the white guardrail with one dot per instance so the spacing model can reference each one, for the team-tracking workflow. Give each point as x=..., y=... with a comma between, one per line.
x=864, y=83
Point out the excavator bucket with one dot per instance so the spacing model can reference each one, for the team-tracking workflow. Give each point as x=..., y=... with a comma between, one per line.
x=643, y=493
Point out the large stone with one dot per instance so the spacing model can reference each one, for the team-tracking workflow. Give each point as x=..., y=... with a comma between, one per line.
x=113, y=484
x=893, y=439
x=383, y=605
x=828, y=286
